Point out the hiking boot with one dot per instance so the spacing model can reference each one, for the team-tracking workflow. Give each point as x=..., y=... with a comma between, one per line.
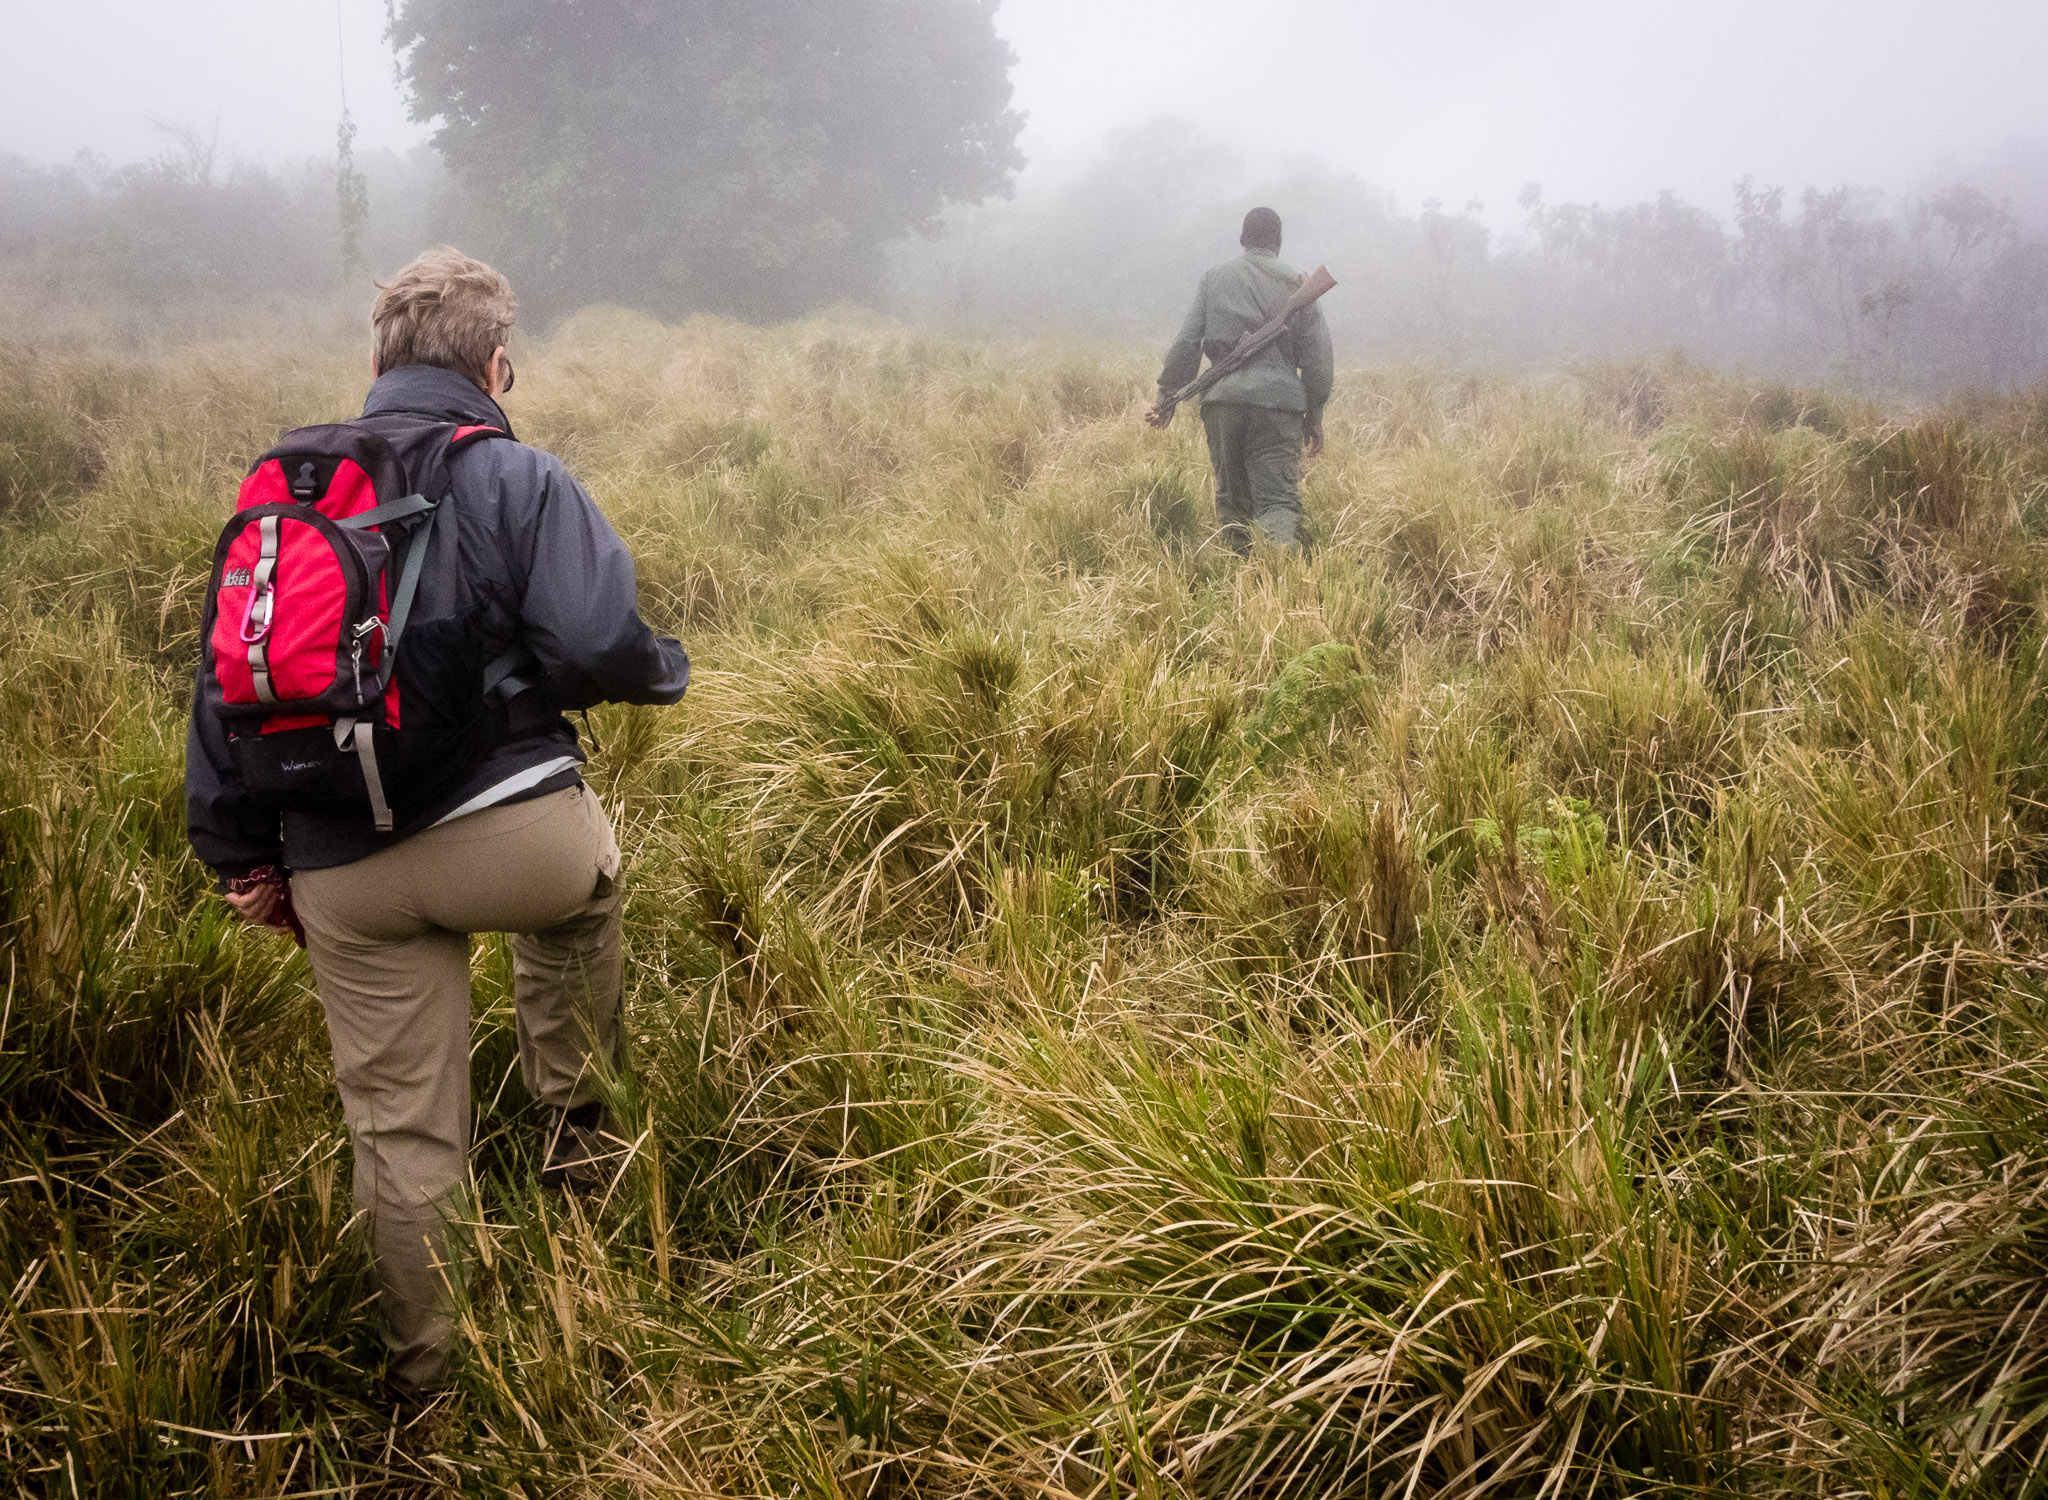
x=411, y=1404
x=582, y=1150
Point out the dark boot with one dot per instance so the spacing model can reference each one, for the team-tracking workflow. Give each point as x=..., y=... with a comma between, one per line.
x=583, y=1150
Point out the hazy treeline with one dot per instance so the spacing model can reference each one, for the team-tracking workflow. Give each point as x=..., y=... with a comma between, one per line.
x=191, y=225
x=1938, y=291
x=752, y=161
x=1942, y=290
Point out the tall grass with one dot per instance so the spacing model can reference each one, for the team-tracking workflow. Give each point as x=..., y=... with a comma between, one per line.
x=1542, y=996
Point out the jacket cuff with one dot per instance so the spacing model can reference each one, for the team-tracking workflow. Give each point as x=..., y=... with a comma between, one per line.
x=223, y=874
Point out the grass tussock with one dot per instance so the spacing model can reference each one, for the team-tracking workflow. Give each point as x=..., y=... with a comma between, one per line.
x=1543, y=995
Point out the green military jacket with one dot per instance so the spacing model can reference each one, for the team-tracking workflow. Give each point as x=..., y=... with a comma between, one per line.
x=1293, y=373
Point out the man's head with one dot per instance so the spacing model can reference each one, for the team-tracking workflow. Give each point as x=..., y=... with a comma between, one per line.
x=446, y=310
x=1261, y=230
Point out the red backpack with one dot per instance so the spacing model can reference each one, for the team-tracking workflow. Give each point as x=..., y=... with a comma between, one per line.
x=313, y=587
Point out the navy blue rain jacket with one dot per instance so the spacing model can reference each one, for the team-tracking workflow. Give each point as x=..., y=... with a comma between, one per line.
x=540, y=567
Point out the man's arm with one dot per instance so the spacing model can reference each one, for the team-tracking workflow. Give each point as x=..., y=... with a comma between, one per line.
x=1318, y=364
x=1318, y=374
x=579, y=611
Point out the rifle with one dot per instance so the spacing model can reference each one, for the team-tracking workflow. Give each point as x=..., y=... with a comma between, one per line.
x=1312, y=287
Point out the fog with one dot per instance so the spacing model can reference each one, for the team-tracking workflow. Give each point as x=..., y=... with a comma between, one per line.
x=1604, y=100
x=1607, y=100
x=1374, y=116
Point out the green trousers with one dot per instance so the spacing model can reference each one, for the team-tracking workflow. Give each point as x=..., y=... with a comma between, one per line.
x=1256, y=452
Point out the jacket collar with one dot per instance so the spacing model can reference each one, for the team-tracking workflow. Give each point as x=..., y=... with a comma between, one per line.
x=429, y=391
x=1261, y=253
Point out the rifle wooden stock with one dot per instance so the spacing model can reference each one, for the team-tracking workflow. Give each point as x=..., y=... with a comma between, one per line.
x=1312, y=287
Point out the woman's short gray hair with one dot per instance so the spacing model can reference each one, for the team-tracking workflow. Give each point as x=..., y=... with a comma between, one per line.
x=445, y=309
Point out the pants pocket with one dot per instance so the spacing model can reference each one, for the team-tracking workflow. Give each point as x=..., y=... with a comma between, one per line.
x=609, y=860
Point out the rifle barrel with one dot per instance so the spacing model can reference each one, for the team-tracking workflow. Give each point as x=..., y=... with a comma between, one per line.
x=1312, y=288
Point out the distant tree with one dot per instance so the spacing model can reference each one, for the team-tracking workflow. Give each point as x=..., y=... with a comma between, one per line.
x=1843, y=245
x=1450, y=242
x=1967, y=219
x=351, y=196
x=2012, y=315
x=686, y=155
x=1763, y=249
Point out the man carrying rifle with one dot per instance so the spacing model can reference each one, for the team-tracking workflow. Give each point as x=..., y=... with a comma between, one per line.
x=1260, y=413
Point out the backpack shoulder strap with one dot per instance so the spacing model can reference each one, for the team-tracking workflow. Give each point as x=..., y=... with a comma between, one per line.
x=424, y=449
x=501, y=673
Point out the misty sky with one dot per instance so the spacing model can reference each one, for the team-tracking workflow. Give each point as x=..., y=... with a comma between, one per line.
x=1606, y=99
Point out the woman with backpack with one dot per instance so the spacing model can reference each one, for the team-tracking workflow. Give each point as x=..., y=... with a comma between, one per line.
x=401, y=612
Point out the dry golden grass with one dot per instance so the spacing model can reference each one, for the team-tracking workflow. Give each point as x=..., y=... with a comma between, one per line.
x=1543, y=996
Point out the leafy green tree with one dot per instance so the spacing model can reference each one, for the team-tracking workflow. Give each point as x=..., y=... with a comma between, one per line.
x=696, y=155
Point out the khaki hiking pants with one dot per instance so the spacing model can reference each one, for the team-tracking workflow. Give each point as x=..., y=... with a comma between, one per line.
x=1256, y=453
x=388, y=937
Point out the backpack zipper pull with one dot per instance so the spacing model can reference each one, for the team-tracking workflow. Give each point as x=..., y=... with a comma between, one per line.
x=361, y=634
